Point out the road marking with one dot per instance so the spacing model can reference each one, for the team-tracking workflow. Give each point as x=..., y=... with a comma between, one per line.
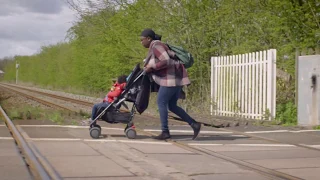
x=256, y=132
x=238, y=136
x=280, y=131
x=144, y=142
x=189, y=131
x=314, y=146
x=214, y=136
x=315, y=130
x=267, y=145
x=54, y=139
x=126, y=141
x=259, y=145
x=74, y=127
x=98, y=140
x=198, y=144
x=6, y=138
x=2, y=125
x=53, y=126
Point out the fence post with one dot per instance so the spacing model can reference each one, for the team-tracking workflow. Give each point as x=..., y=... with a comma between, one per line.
x=274, y=83
x=212, y=85
x=271, y=83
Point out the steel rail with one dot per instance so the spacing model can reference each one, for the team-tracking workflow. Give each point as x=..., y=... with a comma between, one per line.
x=31, y=159
x=48, y=103
x=78, y=101
x=44, y=162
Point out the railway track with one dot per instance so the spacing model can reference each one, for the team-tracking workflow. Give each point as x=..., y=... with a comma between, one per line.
x=273, y=174
x=36, y=163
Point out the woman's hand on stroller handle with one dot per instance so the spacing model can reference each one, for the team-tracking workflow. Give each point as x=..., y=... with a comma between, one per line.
x=147, y=69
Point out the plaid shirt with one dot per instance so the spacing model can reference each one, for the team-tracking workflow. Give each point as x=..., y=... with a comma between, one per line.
x=166, y=70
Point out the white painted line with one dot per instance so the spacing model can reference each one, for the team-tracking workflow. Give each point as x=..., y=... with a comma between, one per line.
x=314, y=146
x=144, y=142
x=315, y=130
x=40, y=125
x=54, y=139
x=214, y=136
x=189, y=131
x=75, y=127
x=275, y=131
x=266, y=145
x=279, y=131
x=6, y=138
x=198, y=144
x=238, y=135
x=118, y=129
x=2, y=125
x=99, y=140
x=252, y=145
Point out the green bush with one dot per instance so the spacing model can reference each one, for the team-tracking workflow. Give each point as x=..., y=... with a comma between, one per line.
x=287, y=113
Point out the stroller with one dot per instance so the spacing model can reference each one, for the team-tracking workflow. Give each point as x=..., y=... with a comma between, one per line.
x=112, y=114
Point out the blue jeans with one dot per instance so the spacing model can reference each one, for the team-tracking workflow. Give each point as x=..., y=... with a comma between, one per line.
x=96, y=107
x=167, y=98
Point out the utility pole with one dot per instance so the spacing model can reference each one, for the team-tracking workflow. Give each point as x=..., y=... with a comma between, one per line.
x=17, y=69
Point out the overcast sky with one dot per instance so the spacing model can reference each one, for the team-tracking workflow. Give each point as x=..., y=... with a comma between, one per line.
x=26, y=25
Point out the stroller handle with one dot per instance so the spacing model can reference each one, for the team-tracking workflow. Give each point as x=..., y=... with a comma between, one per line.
x=144, y=72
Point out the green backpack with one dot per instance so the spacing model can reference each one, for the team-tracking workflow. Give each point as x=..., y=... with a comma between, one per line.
x=184, y=56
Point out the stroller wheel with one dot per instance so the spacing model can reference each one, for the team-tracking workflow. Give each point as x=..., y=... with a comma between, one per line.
x=131, y=133
x=98, y=126
x=129, y=125
x=95, y=132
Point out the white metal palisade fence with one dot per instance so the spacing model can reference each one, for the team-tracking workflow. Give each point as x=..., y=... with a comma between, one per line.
x=244, y=85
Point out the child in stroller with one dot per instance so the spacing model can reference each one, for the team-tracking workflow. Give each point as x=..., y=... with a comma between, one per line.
x=109, y=110
x=114, y=92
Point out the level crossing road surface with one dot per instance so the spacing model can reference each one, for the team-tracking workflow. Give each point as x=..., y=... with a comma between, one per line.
x=75, y=155
x=12, y=165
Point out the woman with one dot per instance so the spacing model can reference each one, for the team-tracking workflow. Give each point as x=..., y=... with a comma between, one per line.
x=171, y=76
